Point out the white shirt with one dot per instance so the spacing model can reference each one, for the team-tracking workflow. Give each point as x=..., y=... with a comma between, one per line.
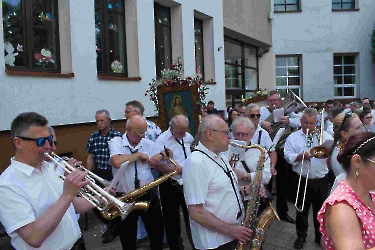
x=338, y=178
x=121, y=146
x=265, y=139
x=295, y=144
x=294, y=119
x=206, y=183
x=26, y=194
x=168, y=140
x=335, y=165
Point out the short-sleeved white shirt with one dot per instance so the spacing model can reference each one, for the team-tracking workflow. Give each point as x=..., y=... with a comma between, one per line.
x=265, y=139
x=121, y=146
x=206, y=183
x=168, y=140
x=295, y=144
x=26, y=194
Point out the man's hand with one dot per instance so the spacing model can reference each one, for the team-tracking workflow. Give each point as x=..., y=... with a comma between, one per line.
x=74, y=163
x=267, y=126
x=240, y=233
x=284, y=120
x=154, y=160
x=142, y=157
x=74, y=182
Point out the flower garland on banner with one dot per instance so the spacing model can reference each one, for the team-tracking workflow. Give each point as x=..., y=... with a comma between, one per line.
x=173, y=77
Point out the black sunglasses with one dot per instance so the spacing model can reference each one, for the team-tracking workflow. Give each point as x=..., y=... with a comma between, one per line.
x=347, y=115
x=253, y=115
x=39, y=141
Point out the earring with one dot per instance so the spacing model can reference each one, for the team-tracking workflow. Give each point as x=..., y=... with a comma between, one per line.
x=356, y=174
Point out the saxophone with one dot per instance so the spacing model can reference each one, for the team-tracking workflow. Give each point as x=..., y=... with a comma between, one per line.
x=257, y=224
x=129, y=199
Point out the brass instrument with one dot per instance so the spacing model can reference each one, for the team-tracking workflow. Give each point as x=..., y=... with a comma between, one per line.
x=290, y=104
x=94, y=194
x=130, y=199
x=257, y=224
x=320, y=151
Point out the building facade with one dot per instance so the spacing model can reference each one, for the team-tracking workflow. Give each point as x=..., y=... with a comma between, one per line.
x=322, y=48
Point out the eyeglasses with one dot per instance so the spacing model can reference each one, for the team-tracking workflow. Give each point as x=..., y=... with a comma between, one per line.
x=368, y=117
x=253, y=115
x=226, y=132
x=55, y=143
x=39, y=141
x=241, y=135
x=347, y=115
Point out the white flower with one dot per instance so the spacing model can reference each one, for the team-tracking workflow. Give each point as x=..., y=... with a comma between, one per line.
x=46, y=53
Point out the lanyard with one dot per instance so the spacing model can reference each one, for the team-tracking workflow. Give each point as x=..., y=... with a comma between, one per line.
x=228, y=173
x=136, y=180
x=260, y=136
x=182, y=145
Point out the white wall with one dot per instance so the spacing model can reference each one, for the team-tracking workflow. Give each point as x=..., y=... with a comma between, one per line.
x=74, y=100
x=317, y=33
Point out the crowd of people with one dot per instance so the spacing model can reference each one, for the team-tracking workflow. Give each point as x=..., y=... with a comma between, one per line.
x=212, y=187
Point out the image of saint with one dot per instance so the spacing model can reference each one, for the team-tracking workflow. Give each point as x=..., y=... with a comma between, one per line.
x=177, y=108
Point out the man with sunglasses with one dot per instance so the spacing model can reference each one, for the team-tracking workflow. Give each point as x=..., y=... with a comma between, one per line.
x=36, y=208
x=98, y=163
x=141, y=154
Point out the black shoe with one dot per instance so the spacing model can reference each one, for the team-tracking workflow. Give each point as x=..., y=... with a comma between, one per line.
x=287, y=218
x=109, y=240
x=298, y=244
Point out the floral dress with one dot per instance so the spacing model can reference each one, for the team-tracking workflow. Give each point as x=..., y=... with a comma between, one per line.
x=344, y=193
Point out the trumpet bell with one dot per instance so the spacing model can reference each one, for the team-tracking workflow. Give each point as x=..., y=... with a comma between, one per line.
x=319, y=152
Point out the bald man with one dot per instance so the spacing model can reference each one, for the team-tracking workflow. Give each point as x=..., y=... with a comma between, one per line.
x=177, y=139
x=141, y=154
x=211, y=190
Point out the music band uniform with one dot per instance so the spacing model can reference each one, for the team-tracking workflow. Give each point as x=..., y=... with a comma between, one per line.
x=318, y=183
x=171, y=193
x=206, y=183
x=26, y=194
x=282, y=184
x=152, y=219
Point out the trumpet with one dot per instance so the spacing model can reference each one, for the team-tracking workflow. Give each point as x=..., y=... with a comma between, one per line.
x=94, y=194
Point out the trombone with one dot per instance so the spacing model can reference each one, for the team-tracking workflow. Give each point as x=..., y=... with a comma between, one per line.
x=319, y=152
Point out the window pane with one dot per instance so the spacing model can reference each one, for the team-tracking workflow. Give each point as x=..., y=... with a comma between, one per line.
x=279, y=1
x=292, y=1
x=251, y=57
x=349, y=59
x=349, y=91
x=282, y=92
x=293, y=81
x=13, y=33
x=337, y=60
x=336, y=6
x=281, y=61
x=199, y=54
x=337, y=70
x=293, y=71
x=251, y=79
x=98, y=37
x=233, y=53
x=116, y=42
x=44, y=33
x=163, y=17
x=232, y=77
x=162, y=38
x=338, y=91
x=198, y=26
x=292, y=61
x=281, y=72
x=336, y=1
x=349, y=79
x=348, y=6
x=337, y=80
x=281, y=81
x=279, y=7
x=291, y=7
x=349, y=69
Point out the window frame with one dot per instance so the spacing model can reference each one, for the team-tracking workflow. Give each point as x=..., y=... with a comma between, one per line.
x=28, y=43
x=196, y=36
x=159, y=31
x=285, y=7
x=241, y=91
x=354, y=2
x=343, y=75
x=106, y=63
x=288, y=87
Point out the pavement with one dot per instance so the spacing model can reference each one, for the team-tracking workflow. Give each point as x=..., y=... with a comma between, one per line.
x=279, y=235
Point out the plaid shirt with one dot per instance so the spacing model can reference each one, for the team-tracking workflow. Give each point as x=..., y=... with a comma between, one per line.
x=98, y=146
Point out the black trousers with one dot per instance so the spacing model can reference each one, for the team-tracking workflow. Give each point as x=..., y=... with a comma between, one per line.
x=172, y=198
x=316, y=194
x=282, y=184
x=228, y=246
x=152, y=219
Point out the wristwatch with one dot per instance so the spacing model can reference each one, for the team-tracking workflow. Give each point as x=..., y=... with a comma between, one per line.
x=246, y=176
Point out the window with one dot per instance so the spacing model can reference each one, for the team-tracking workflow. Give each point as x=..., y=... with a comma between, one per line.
x=163, y=44
x=343, y=4
x=198, y=48
x=288, y=74
x=241, y=70
x=31, y=35
x=344, y=75
x=110, y=37
x=286, y=5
